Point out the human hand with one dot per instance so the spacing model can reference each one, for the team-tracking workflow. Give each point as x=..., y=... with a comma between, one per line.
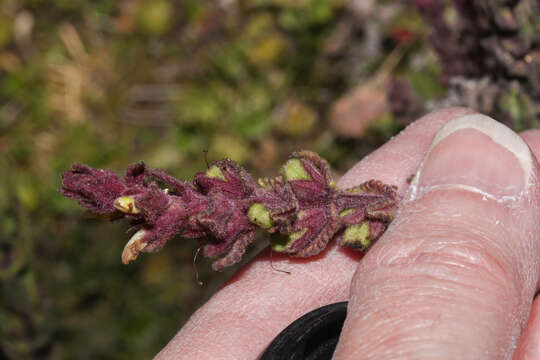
x=453, y=277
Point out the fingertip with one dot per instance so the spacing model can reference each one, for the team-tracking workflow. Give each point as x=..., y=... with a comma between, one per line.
x=477, y=153
x=532, y=138
x=453, y=275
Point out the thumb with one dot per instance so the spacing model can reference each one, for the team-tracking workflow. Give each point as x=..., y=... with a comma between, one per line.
x=455, y=274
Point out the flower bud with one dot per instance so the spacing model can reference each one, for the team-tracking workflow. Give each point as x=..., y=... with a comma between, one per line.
x=126, y=204
x=357, y=236
x=259, y=215
x=215, y=172
x=294, y=170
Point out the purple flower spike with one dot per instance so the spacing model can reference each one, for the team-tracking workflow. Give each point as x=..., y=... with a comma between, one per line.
x=223, y=207
x=323, y=211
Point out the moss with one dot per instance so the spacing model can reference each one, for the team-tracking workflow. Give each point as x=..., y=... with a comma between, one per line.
x=155, y=17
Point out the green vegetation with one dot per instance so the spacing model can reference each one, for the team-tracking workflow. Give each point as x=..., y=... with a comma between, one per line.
x=108, y=83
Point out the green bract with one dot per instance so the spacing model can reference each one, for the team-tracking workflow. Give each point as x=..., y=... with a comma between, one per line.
x=259, y=215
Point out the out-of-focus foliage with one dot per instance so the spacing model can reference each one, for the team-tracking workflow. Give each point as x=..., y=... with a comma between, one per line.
x=489, y=51
x=111, y=82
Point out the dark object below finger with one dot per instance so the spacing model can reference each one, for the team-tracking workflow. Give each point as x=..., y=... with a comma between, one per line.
x=313, y=336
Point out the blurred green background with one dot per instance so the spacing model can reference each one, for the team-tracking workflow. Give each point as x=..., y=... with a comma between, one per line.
x=108, y=83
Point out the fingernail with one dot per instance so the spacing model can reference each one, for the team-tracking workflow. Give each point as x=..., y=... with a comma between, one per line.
x=478, y=154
